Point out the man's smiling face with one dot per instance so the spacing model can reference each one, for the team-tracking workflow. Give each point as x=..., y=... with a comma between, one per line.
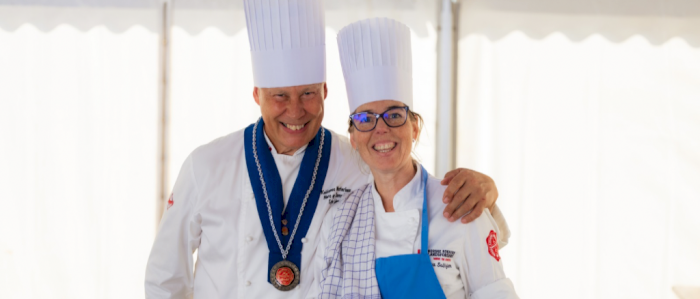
x=292, y=114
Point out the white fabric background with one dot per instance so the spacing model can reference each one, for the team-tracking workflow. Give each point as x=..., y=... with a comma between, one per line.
x=589, y=124
x=78, y=152
x=585, y=112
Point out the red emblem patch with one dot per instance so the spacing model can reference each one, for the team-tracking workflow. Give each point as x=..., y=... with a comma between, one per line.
x=170, y=201
x=284, y=276
x=492, y=242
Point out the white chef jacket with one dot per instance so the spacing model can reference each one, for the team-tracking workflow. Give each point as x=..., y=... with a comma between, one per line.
x=213, y=211
x=459, y=252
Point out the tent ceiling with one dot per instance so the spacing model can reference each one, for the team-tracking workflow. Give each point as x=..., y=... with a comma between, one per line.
x=665, y=8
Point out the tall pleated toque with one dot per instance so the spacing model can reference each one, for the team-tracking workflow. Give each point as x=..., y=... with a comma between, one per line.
x=287, y=41
x=375, y=55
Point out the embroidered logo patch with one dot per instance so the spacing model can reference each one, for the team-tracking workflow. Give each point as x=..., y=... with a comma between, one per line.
x=170, y=201
x=492, y=242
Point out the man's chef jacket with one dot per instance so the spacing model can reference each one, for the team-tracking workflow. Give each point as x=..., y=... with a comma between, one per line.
x=464, y=262
x=213, y=211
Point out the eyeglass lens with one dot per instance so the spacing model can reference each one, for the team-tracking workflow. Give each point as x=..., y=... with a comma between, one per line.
x=393, y=117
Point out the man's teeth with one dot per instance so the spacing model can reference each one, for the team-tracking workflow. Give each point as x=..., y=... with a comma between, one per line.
x=294, y=127
x=384, y=147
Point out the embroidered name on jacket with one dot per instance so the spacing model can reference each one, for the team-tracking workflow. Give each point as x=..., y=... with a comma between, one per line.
x=334, y=195
x=441, y=258
x=441, y=253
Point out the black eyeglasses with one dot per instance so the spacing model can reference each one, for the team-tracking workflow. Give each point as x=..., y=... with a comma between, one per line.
x=394, y=117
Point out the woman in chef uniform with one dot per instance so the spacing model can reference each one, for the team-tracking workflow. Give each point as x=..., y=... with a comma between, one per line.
x=389, y=237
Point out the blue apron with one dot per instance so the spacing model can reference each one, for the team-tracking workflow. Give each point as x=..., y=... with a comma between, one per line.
x=410, y=275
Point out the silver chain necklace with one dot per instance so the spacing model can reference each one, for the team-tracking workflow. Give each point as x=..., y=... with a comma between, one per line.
x=267, y=200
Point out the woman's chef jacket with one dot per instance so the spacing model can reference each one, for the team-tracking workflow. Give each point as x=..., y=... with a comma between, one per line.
x=464, y=261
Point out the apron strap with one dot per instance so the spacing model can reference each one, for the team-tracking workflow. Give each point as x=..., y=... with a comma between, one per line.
x=424, y=217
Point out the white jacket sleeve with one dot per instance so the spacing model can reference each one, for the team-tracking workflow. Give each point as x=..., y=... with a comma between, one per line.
x=504, y=234
x=169, y=272
x=480, y=267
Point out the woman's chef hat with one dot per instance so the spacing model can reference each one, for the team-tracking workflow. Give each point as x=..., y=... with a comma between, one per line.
x=376, y=58
x=287, y=42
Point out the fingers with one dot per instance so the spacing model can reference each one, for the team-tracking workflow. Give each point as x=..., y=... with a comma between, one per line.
x=457, y=180
x=450, y=209
x=475, y=198
x=449, y=176
x=476, y=212
x=462, y=202
x=482, y=198
x=469, y=195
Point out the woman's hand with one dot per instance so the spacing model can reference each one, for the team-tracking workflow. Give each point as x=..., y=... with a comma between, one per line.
x=469, y=192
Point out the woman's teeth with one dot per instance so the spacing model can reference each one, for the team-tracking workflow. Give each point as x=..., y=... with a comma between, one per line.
x=294, y=127
x=384, y=147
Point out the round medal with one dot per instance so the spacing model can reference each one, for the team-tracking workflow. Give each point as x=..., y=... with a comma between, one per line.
x=284, y=275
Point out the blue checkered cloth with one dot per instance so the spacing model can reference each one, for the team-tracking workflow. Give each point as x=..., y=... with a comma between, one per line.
x=350, y=258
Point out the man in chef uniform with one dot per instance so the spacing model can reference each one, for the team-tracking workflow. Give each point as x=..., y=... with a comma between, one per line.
x=252, y=202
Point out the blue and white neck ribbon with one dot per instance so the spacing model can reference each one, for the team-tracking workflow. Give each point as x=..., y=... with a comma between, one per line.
x=273, y=183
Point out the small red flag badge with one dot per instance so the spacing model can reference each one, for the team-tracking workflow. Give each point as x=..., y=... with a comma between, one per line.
x=170, y=201
x=492, y=242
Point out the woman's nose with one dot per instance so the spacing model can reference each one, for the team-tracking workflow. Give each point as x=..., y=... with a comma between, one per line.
x=381, y=127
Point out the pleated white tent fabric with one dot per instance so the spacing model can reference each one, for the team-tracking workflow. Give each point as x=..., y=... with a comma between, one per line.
x=585, y=114
x=587, y=118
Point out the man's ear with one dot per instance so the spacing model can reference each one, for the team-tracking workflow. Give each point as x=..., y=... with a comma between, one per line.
x=325, y=90
x=256, y=95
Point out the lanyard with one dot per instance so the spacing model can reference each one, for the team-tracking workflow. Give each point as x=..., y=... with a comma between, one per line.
x=273, y=187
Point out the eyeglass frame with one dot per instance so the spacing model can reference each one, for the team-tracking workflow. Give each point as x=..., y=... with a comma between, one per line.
x=378, y=115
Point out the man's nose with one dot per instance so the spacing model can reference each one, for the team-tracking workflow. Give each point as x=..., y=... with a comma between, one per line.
x=295, y=108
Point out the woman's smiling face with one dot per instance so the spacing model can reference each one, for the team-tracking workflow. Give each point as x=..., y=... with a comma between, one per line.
x=385, y=149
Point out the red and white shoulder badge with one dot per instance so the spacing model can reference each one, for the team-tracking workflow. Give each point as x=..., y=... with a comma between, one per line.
x=170, y=201
x=492, y=243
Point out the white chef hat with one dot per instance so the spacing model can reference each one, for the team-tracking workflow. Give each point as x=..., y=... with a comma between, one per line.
x=287, y=41
x=376, y=58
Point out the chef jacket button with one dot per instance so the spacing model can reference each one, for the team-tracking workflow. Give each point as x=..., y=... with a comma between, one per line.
x=303, y=240
x=249, y=238
x=247, y=283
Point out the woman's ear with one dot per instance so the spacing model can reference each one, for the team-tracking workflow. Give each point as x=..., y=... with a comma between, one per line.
x=352, y=141
x=416, y=130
